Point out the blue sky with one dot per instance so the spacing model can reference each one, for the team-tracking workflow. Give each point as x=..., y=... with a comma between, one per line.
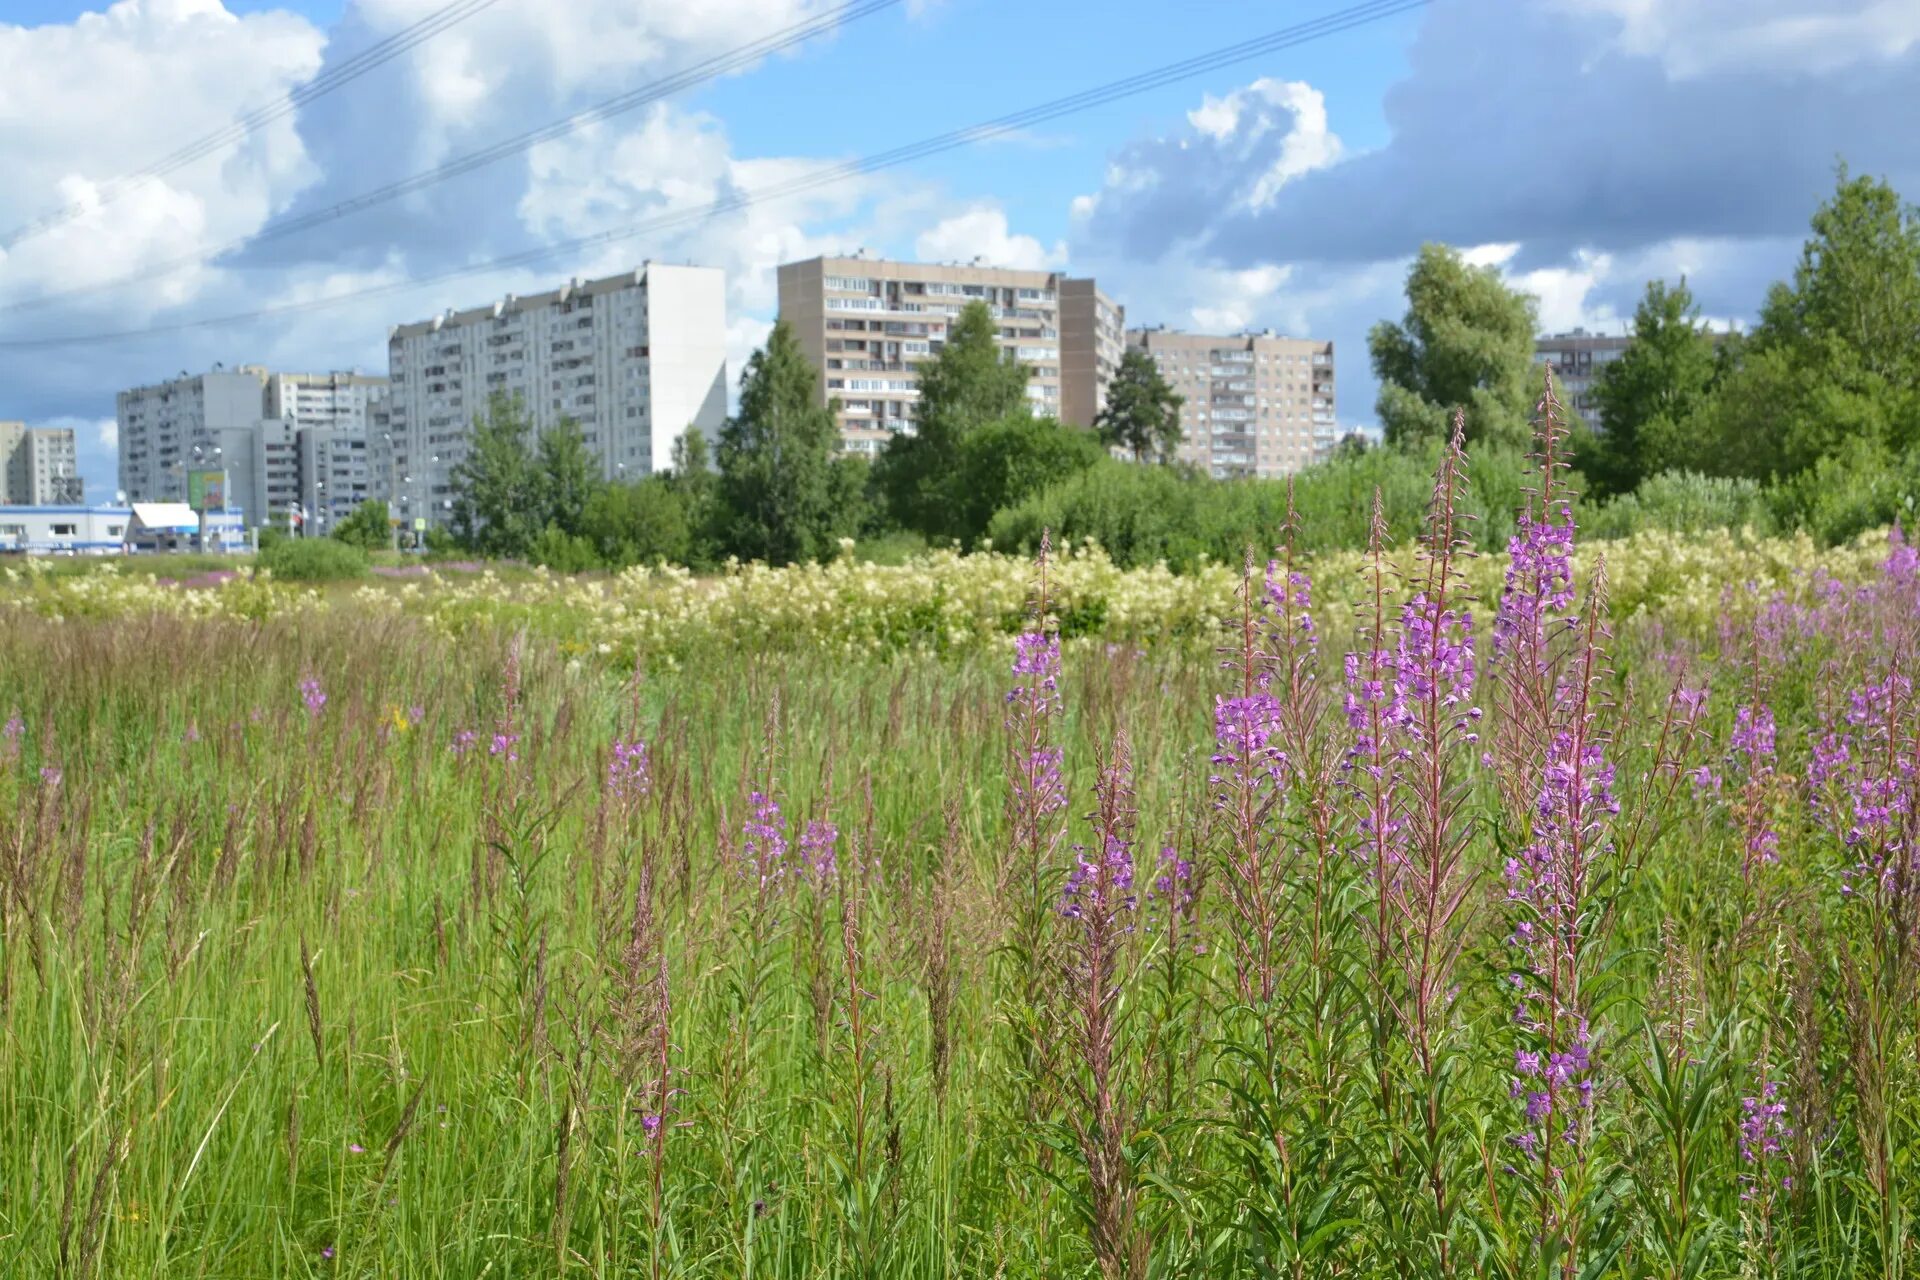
x=1583, y=146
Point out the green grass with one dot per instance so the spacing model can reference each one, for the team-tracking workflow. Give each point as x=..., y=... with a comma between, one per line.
x=872, y=1073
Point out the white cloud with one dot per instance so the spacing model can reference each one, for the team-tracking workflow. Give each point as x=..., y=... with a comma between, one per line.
x=982, y=232
x=110, y=93
x=1698, y=37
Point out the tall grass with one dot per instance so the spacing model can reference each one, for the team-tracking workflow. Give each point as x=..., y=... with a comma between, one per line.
x=1478, y=942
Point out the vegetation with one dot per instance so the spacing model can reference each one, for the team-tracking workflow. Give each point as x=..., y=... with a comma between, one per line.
x=313, y=560
x=367, y=527
x=1142, y=414
x=1436, y=937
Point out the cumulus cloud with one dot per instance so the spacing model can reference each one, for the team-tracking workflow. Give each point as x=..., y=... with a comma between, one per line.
x=1237, y=154
x=1581, y=147
x=982, y=232
x=113, y=91
x=1601, y=124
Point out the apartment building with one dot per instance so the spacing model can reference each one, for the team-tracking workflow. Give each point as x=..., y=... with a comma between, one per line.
x=39, y=466
x=1254, y=404
x=867, y=324
x=636, y=359
x=1577, y=358
x=245, y=421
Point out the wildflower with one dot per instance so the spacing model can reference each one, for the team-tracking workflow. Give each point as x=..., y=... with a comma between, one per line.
x=817, y=848
x=50, y=775
x=1099, y=883
x=463, y=742
x=629, y=772
x=1172, y=892
x=313, y=695
x=327, y=1253
x=356, y=1148
x=505, y=744
x=1763, y=1131
x=766, y=838
x=192, y=735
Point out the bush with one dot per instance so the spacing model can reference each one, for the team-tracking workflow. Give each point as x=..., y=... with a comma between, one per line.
x=313, y=560
x=1141, y=515
x=271, y=535
x=1861, y=487
x=1683, y=502
x=1003, y=463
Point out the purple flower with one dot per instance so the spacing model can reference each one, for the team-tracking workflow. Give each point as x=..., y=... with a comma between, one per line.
x=629, y=772
x=1753, y=732
x=766, y=838
x=505, y=744
x=1101, y=883
x=1539, y=584
x=817, y=847
x=50, y=775
x=651, y=1124
x=313, y=695
x=356, y=1148
x=463, y=742
x=1763, y=1134
x=327, y=1252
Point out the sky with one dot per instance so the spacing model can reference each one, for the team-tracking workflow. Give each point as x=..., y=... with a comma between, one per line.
x=1582, y=147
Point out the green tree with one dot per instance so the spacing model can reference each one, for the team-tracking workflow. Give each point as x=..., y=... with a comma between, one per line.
x=1003, y=463
x=698, y=488
x=496, y=487
x=776, y=459
x=967, y=385
x=1466, y=342
x=566, y=477
x=366, y=526
x=1648, y=395
x=1846, y=329
x=641, y=523
x=1142, y=414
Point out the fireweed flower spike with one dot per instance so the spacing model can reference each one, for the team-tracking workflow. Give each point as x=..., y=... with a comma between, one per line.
x=312, y=695
x=1100, y=902
x=1036, y=790
x=629, y=771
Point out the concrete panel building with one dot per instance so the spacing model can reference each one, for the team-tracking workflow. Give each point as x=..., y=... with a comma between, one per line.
x=636, y=359
x=39, y=466
x=1255, y=404
x=1577, y=358
x=246, y=421
x=868, y=324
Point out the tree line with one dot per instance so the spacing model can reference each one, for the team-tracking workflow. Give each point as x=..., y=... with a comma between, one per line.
x=1811, y=420
x=775, y=487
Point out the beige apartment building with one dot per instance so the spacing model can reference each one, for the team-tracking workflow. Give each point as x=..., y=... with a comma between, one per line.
x=39, y=466
x=1255, y=404
x=867, y=324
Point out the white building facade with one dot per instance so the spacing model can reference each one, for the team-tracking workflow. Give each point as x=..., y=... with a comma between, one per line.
x=636, y=359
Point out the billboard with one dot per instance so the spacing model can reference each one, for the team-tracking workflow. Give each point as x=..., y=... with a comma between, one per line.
x=207, y=490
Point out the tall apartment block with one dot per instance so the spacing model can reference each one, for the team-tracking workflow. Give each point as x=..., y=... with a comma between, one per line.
x=1577, y=358
x=636, y=359
x=39, y=466
x=245, y=421
x=867, y=325
x=1254, y=404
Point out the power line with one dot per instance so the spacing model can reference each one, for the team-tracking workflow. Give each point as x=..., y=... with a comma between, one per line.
x=351, y=69
x=1302, y=33
x=718, y=65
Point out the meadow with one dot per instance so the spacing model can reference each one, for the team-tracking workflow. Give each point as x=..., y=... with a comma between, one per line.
x=1394, y=913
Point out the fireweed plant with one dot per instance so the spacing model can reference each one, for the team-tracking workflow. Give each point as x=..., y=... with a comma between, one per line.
x=1482, y=929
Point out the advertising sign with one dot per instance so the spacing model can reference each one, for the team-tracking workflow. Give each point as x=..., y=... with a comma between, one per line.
x=207, y=490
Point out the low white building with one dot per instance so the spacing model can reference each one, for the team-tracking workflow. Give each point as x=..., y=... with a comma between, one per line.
x=104, y=531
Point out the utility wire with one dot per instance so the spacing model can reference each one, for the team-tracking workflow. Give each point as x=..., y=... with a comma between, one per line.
x=1288, y=37
x=347, y=71
x=699, y=73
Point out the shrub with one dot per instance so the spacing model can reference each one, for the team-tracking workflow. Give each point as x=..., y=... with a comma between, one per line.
x=1141, y=515
x=1862, y=486
x=313, y=560
x=1684, y=502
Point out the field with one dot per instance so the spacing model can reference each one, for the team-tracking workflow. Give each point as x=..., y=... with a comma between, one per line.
x=1391, y=915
